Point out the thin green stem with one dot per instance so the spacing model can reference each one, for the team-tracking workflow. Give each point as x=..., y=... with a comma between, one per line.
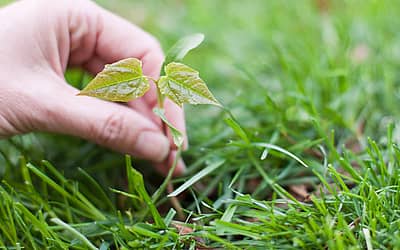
x=160, y=104
x=160, y=97
x=164, y=185
x=167, y=182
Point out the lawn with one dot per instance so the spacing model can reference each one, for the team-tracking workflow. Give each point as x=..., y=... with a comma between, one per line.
x=308, y=159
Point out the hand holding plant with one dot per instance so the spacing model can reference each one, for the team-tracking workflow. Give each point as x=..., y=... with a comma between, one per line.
x=36, y=97
x=124, y=81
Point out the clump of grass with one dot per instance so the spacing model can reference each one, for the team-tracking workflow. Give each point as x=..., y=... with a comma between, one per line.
x=349, y=208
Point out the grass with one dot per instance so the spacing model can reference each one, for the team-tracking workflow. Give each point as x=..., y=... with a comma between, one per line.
x=304, y=87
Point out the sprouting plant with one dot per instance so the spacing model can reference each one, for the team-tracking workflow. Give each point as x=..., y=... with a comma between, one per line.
x=124, y=81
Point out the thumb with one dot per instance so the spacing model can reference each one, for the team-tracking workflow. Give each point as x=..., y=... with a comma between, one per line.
x=108, y=124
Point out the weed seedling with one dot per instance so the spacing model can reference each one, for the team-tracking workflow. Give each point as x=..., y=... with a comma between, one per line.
x=124, y=81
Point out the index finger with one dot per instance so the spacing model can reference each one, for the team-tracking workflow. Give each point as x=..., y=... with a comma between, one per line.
x=116, y=39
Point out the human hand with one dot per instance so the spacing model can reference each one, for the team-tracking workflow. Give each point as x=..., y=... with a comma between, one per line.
x=40, y=38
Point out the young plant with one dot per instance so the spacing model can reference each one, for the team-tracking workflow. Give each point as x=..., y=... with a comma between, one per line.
x=124, y=81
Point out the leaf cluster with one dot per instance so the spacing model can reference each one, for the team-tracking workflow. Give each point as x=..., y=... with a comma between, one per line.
x=124, y=81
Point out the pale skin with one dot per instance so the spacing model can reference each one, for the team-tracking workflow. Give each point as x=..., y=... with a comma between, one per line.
x=40, y=39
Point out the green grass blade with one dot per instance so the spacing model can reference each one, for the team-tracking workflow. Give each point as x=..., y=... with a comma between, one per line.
x=204, y=172
x=75, y=232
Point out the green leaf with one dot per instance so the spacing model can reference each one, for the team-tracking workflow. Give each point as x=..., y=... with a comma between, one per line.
x=227, y=216
x=176, y=134
x=121, y=81
x=235, y=229
x=237, y=129
x=183, y=84
x=179, y=50
x=269, y=146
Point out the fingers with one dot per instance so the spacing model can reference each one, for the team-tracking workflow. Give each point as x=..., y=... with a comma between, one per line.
x=107, y=124
x=98, y=34
x=99, y=37
x=118, y=39
x=174, y=113
x=115, y=39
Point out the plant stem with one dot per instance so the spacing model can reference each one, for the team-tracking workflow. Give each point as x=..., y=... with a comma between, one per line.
x=167, y=179
x=168, y=185
x=160, y=97
x=160, y=104
x=167, y=182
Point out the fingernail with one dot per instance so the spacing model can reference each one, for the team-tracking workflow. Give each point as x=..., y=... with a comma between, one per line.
x=152, y=146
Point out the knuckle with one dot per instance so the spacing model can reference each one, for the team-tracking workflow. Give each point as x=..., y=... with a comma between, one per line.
x=15, y=118
x=113, y=130
x=7, y=128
